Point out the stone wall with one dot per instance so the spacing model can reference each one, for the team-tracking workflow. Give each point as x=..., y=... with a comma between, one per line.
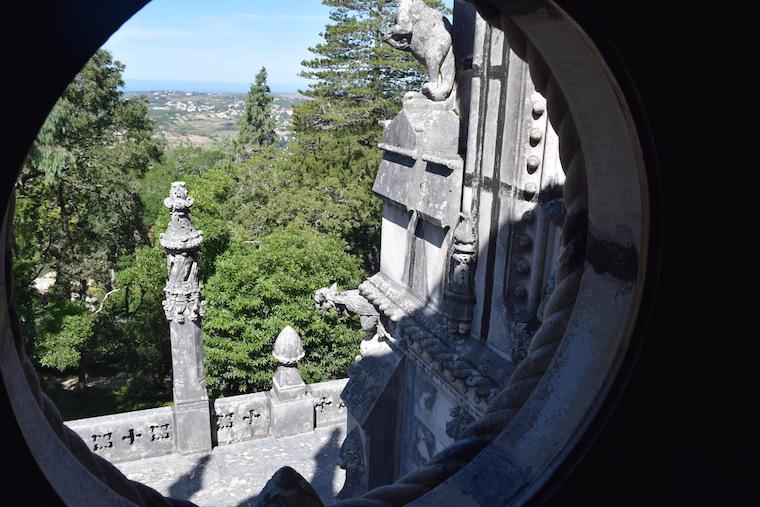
x=143, y=434
x=471, y=185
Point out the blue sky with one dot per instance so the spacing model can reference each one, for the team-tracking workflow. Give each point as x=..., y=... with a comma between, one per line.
x=204, y=45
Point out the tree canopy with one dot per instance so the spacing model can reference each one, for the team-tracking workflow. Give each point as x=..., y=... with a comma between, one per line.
x=78, y=208
x=279, y=220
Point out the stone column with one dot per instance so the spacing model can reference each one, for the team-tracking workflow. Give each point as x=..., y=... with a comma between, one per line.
x=183, y=306
x=292, y=408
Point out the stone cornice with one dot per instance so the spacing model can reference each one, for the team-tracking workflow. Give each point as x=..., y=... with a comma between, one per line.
x=469, y=369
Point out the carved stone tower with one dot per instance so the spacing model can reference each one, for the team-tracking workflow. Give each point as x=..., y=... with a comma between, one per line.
x=183, y=306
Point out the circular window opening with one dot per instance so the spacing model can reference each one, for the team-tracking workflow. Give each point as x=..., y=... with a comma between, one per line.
x=517, y=308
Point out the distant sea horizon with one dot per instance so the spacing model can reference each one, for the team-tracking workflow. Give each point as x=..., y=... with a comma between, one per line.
x=153, y=85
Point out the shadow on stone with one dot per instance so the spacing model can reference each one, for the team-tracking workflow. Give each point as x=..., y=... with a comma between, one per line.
x=289, y=488
x=326, y=466
x=190, y=483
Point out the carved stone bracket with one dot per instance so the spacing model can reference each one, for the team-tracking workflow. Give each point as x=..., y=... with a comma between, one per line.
x=351, y=302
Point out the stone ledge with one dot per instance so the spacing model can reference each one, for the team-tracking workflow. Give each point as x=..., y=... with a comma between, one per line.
x=469, y=367
x=130, y=435
x=141, y=434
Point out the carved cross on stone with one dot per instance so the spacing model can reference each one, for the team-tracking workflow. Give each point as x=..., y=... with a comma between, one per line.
x=132, y=436
x=224, y=421
x=323, y=402
x=159, y=432
x=252, y=414
x=102, y=441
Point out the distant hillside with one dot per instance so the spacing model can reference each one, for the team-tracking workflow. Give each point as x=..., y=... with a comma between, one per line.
x=203, y=119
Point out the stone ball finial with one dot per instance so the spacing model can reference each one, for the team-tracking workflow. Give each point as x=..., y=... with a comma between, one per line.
x=288, y=349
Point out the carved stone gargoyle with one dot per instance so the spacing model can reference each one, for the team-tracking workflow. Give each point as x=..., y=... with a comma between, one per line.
x=351, y=302
x=426, y=33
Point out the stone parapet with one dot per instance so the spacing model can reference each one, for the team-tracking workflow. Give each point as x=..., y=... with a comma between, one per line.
x=130, y=435
x=140, y=434
x=238, y=418
x=329, y=407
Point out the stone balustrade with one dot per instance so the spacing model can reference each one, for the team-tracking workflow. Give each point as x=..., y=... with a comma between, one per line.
x=143, y=434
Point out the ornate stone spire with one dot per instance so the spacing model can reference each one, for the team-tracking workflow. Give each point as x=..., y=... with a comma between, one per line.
x=181, y=241
x=183, y=306
x=459, y=297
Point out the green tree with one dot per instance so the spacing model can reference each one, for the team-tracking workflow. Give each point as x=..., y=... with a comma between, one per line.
x=78, y=210
x=257, y=127
x=358, y=79
x=78, y=182
x=258, y=290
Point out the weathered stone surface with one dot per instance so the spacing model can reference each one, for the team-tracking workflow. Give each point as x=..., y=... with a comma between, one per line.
x=329, y=407
x=460, y=292
x=368, y=380
x=288, y=349
x=183, y=305
x=239, y=418
x=181, y=241
x=352, y=461
x=234, y=475
x=421, y=169
x=146, y=433
x=193, y=427
x=129, y=436
x=426, y=33
x=291, y=407
x=292, y=417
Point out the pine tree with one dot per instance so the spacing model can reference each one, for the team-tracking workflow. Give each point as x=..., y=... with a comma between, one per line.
x=257, y=127
x=359, y=79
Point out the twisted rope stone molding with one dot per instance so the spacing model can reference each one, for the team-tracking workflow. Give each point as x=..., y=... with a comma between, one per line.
x=503, y=406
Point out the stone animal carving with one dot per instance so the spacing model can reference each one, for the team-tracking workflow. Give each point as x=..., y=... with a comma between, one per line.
x=350, y=302
x=426, y=33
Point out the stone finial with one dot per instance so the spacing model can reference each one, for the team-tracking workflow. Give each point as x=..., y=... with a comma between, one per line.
x=291, y=405
x=288, y=349
x=181, y=241
x=180, y=233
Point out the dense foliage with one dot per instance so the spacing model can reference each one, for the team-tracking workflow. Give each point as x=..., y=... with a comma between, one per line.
x=279, y=221
x=258, y=290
